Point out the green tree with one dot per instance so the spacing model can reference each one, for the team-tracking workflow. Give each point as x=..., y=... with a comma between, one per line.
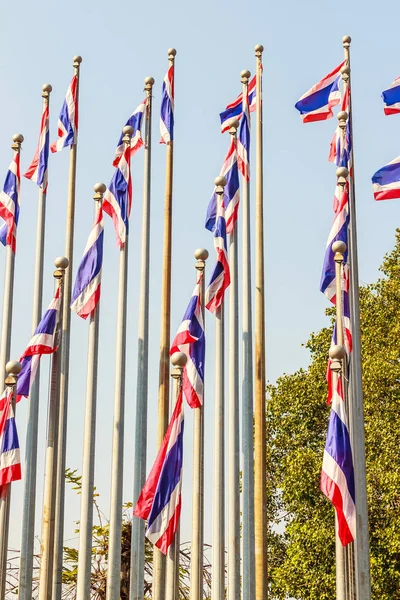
x=301, y=542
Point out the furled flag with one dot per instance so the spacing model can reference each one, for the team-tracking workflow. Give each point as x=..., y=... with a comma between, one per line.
x=9, y=204
x=10, y=462
x=317, y=103
x=337, y=477
x=167, y=107
x=386, y=181
x=243, y=141
x=135, y=121
x=86, y=292
x=68, y=119
x=38, y=169
x=220, y=278
x=234, y=110
x=337, y=154
x=190, y=340
x=391, y=98
x=231, y=191
x=117, y=200
x=160, y=499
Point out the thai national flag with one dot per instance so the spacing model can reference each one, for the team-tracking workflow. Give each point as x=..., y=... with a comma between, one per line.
x=337, y=154
x=220, y=278
x=86, y=293
x=243, y=142
x=167, y=107
x=117, y=201
x=38, y=170
x=386, y=181
x=68, y=119
x=160, y=499
x=234, y=110
x=231, y=191
x=391, y=98
x=10, y=462
x=337, y=477
x=317, y=103
x=191, y=341
x=135, y=121
x=9, y=204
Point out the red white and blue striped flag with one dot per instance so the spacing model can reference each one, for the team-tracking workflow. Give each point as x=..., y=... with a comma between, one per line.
x=167, y=107
x=317, y=103
x=117, y=201
x=160, y=500
x=391, y=98
x=38, y=169
x=191, y=341
x=68, y=119
x=234, y=110
x=135, y=121
x=386, y=181
x=220, y=277
x=9, y=204
x=243, y=142
x=10, y=462
x=86, y=292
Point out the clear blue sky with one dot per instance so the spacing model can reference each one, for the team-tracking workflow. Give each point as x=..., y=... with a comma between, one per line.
x=121, y=43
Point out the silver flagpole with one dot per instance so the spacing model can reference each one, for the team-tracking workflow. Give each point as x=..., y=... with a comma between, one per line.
x=89, y=444
x=179, y=361
x=49, y=494
x=4, y=356
x=218, y=522
x=362, y=562
x=136, y=589
x=117, y=467
x=247, y=388
x=233, y=417
x=196, y=560
x=28, y=515
x=64, y=372
x=13, y=369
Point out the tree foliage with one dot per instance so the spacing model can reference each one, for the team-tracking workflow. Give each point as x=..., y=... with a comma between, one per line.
x=301, y=541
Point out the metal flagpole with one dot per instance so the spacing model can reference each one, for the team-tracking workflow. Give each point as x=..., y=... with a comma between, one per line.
x=247, y=388
x=218, y=522
x=49, y=495
x=5, y=344
x=89, y=441
x=179, y=361
x=28, y=515
x=13, y=368
x=362, y=561
x=64, y=371
x=196, y=560
x=233, y=416
x=163, y=389
x=136, y=589
x=117, y=466
x=260, y=503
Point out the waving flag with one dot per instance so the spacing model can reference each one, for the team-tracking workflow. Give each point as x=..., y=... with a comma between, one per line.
x=190, y=340
x=68, y=119
x=317, y=103
x=38, y=170
x=160, y=499
x=386, y=181
x=135, y=121
x=10, y=462
x=391, y=98
x=337, y=477
x=167, y=107
x=234, y=110
x=117, y=201
x=86, y=293
x=9, y=204
x=220, y=278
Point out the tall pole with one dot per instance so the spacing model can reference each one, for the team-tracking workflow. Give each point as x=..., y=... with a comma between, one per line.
x=233, y=417
x=28, y=515
x=362, y=561
x=50, y=483
x=260, y=455
x=13, y=368
x=136, y=589
x=247, y=388
x=179, y=361
x=5, y=344
x=64, y=372
x=218, y=506
x=117, y=466
x=196, y=555
x=89, y=441
x=163, y=389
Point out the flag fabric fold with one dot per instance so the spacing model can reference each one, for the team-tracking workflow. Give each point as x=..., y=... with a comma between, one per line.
x=68, y=119
x=220, y=277
x=386, y=181
x=38, y=169
x=243, y=142
x=9, y=204
x=391, y=98
x=10, y=461
x=167, y=107
x=337, y=154
x=234, y=110
x=135, y=121
x=317, y=103
x=117, y=200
